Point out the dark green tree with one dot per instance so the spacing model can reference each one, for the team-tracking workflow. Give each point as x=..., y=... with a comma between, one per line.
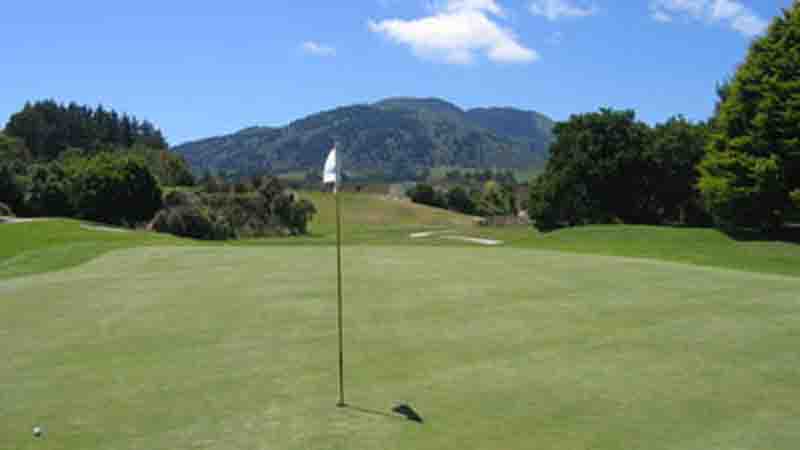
x=600, y=170
x=458, y=199
x=425, y=194
x=678, y=146
x=13, y=149
x=12, y=187
x=115, y=189
x=169, y=168
x=48, y=128
x=49, y=190
x=753, y=163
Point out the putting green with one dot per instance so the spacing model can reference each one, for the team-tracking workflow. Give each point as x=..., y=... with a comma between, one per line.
x=235, y=348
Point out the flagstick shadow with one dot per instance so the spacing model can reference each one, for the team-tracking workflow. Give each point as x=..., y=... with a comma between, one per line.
x=375, y=412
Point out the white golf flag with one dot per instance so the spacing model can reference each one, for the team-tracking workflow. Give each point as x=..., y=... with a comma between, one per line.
x=331, y=172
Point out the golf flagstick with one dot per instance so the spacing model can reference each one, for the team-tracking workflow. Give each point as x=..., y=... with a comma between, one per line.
x=332, y=173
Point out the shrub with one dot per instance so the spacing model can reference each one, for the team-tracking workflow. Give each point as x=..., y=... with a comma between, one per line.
x=302, y=213
x=270, y=211
x=181, y=198
x=115, y=189
x=192, y=222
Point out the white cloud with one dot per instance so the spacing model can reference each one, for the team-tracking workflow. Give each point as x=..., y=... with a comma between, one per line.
x=317, y=49
x=731, y=12
x=557, y=9
x=489, y=6
x=456, y=31
x=749, y=24
x=726, y=9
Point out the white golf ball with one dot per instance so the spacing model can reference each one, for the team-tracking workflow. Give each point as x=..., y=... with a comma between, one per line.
x=37, y=431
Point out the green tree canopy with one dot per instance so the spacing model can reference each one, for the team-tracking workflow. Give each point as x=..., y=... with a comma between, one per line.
x=678, y=146
x=753, y=163
x=496, y=200
x=425, y=194
x=607, y=167
x=13, y=148
x=48, y=128
x=12, y=187
x=598, y=172
x=114, y=189
x=458, y=199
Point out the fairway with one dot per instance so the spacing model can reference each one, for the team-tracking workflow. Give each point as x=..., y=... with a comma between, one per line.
x=504, y=348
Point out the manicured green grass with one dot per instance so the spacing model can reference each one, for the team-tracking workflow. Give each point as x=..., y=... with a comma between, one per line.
x=700, y=246
x=43, y=246
x=370, y=220
x=503, y=348
x=377, y=220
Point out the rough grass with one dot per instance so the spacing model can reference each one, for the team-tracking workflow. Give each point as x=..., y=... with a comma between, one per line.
x=235, y=348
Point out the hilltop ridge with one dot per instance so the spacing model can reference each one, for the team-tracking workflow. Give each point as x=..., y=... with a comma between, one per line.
x=395, y=137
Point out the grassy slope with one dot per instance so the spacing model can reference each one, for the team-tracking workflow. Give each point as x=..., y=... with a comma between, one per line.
x=29, y=248
x=372, y=218
x=221, y=348
x=700, y=246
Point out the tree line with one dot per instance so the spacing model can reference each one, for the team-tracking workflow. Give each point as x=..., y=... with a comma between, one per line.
x=96, y=164
x=491, y=198
x=739, y=169
x=608, y=167
x=48, y=128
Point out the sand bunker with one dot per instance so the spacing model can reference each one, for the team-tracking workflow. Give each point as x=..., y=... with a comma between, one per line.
x=106, y=229
x=427, y=234
x=474, y=240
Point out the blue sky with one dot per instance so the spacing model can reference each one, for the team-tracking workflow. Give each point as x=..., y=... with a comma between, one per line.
x=205, y=68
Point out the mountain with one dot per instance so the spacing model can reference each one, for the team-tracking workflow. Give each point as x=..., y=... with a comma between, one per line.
x=394, y=137
x=529, y=125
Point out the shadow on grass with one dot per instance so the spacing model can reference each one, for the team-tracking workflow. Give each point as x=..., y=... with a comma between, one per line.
x=375, y=412
x=790, y=234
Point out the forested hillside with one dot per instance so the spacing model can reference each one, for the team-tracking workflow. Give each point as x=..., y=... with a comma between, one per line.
x=394, y=138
